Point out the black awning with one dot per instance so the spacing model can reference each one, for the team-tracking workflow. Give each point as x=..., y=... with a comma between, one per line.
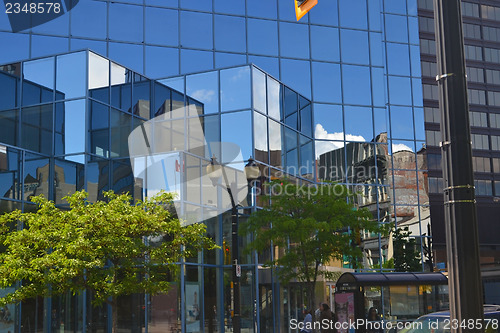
x=386, y=279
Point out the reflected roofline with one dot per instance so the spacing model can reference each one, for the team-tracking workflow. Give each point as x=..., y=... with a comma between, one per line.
x=252, y=65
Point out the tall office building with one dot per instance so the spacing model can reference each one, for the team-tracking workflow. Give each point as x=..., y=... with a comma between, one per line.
x=336, y=96
x=481, y=27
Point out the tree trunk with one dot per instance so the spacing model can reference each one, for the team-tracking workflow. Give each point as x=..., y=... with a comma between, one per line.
x=114, y=314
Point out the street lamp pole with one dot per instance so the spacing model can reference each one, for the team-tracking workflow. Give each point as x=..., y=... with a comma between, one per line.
x=252, y=172
x=462, y=241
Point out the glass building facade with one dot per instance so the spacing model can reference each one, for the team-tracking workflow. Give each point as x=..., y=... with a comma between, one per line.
x=336, y=96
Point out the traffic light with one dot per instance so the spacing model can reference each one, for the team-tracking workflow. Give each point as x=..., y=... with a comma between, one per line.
x=303, y=6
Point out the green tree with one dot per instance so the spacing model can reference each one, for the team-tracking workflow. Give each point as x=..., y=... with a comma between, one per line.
x=111, y=248
x=311, y=226
x=406, y=256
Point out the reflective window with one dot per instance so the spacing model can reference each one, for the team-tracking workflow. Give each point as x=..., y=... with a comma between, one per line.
x=120, y=130
x=94, y=45
x=229, y=32
x=259, y=90
x=35, y=175
x=374, y=17
x=306, y=167
x=328, y=122
x=395, y=6
x=418, y=114
x=196, y=4
x=479, y=119
x=38, y=81
x=381, y=121
x=196, y=29
x=99, y=129
x=325, y=43
x=230, y=6
x=273, y=98
x=69, y=178
x=378, y=86
x=80, y=14
x=10, y=86
x=204, y=88
x=399, y=90
x=18, y=47
x=162, y=26
x=413, y=30
x=325, y=13
x=480, y=164
x=71, y=75
x=401, y=122
x=40, y=45
x=235, y=88
x=269, y=64
x=403, y=160
x=287, y=12
x=306, y=121
x=262, y=8
x=353, y=14
x=9, y=121
x=10, y=167
x=97, y=174
x=290, y=102
x=326, y=82
x=294, y=40
x=297, y=75
x=262, y=37
x=398, y=59
x=58, y=26
x=125, y=22
x=211, y=130
x=36, y=128
x=396, y=28
x=260, y=137
x=356, y=85
x=483, y=187
x=376, y=49
x=354, y=47
x=275, y=135
x=236, y=128
x=157, y=57
x=98, y=77
x=229, y=59
x=141, y=96
x=358, y=123
x=70, y=127
x=196, y=61
x=121, y=87
x=128, y=55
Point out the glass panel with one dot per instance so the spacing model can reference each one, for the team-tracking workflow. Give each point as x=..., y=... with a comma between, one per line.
x=163, y=309
x=38, y=81
x=159, y=21
x=130, y=55
x=358, y=123
x=326, y=82
x=260, y=137
x=68, y=178
x=40, y=45
x=193, y=289
x=418, y=114
x=70, y=127
x=275, y=143
x=97, y=173
x=262, y=8
x=356, y=85
x=67, y=313
x=396, y=28
x=196, y=4
x=99, y=131
x=306, y=166
x=204, y=88
x=297, y=75
x=294, y=40
x=398, y=59
x=71, y=75
x=324, y=43
x=353, y=14
x=399, y=90
x=376, y=49
x=98, y=77
x=273, y=98
x=236, y=128
x=125, y=22
x=395, y=6
x=223, y=59
x=80, y=14
x=36, y=128
x=213, y=299
x=328, y=122
x=259, y=90
x=211, y=129
x=306, y=121
x=290, y=102
x=355, y=47
x=10, y=178
x=141, y=96
x=9, y=81
x=157, y=57
x=403, y=148
x=9, y=121
x=401, y=122
x=235, y=88
x=262, y=37
x=230, y=6
x=36, y=176
x=381, y=121
x=268, y=64
x=196, y=30
x=121, y=87
x=123, y=179
x=120, y=130
x=228, y=33
x=325, y=13
x=131, y=313
x=196, y=61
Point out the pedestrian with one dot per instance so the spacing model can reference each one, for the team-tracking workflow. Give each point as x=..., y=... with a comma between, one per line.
x=326, y=319
x=308, y=322
x=373, y=318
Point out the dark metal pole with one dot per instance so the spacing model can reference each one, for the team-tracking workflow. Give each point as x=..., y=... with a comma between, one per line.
x=462, y=241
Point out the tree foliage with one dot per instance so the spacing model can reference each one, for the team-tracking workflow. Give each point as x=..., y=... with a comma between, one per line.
x=406, y=256
x=111, y=247
x=311, y=226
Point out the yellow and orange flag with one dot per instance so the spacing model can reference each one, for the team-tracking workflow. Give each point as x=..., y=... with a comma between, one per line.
x=303, y=6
